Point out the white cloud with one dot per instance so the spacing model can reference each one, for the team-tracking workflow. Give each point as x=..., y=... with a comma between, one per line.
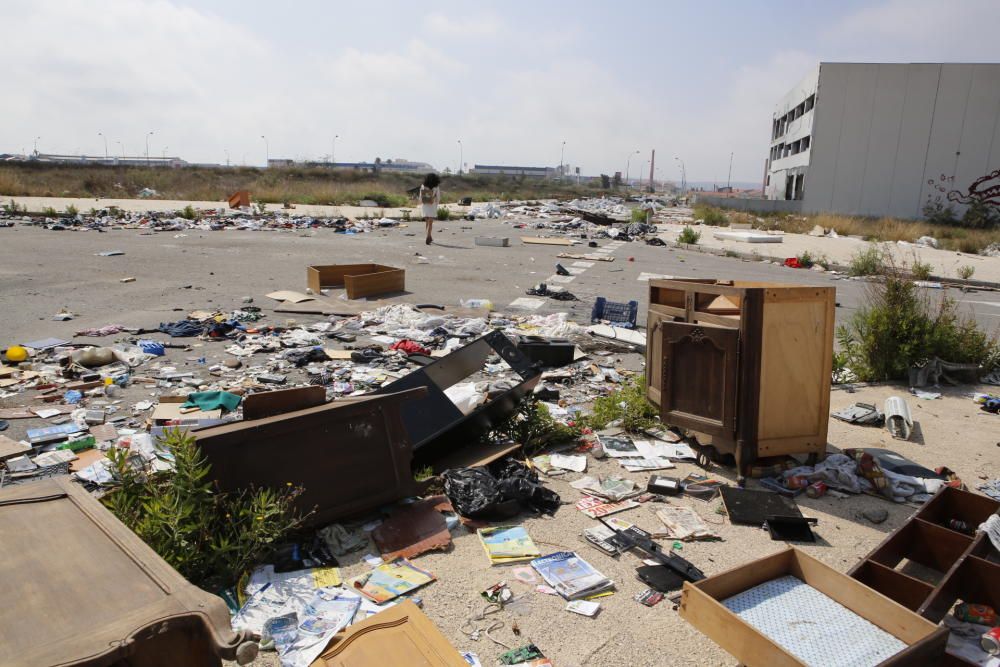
x=471, y=26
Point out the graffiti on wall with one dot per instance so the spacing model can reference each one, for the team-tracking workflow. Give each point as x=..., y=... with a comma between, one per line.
x=983, y=190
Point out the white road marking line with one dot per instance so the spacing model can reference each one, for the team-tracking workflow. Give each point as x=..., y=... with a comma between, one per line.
x=646, y=277
x=555, y=278
x=585, y=265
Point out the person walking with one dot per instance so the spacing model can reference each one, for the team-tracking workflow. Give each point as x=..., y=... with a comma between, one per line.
x=430, y=198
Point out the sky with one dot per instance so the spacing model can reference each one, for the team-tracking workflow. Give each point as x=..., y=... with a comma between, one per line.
x=512, y=81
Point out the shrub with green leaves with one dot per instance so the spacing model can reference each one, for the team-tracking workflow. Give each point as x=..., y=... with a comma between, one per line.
x=72, y=210
x=443, y=213
x=867, y=262
x=534, y=427
x=640, y=215
x=688, y=236
x=188, y=213
x=806, y=259
x=627, y=404
x=387, y=199
x=210, y=537
x=900, y=326
x=710, y=215
x=921, y=270
x=965, y=272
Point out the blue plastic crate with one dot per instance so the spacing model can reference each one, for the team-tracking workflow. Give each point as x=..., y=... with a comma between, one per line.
x=619, y=314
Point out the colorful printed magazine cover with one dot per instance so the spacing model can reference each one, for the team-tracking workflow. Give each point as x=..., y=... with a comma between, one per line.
x=390, y=580
x=508, y=544
x=571, y=576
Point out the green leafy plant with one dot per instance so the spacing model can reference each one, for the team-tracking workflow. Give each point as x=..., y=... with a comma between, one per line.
x=386, y=199
x=937, y=212
x=13, y=208
x=965, y=272
x=710, y=215
x=921, y=270
x=48, y=210
x=72, y=210
x=900, y=325
x=980, y=215
x=188, y=213
x=688, y=236
x=210, y=537
x=867, y=262
x=627, y=404
x=534, y=427
x=443, y=213
x=806, y=259
x=640, y=215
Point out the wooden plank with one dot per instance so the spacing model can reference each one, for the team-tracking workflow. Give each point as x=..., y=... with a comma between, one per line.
x=727, y=321
x=731, y=632
x=904, y=589
x=381, y=280
x=476, y=455
x=270, y=403
x=738, y=579
x=538, y=240
x=794, y=375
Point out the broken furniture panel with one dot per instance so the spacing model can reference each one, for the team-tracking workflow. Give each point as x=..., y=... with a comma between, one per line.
x=349, y=456
x=784, y=609
x=81, y=589
x=400, y=635
x=743, y=365
x=936, y=559
x=239, y=199
x=435, y=424
x=360, y=280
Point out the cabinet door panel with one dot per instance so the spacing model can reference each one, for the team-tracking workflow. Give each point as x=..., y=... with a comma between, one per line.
x=699, y=377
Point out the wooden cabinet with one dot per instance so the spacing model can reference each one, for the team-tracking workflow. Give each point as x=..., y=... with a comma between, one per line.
x=744, y=366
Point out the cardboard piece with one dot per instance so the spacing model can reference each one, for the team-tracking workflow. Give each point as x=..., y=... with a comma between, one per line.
x=239, y=199
x=289, y=296
x=414, y=529
x=170, y=411
x=359, y=280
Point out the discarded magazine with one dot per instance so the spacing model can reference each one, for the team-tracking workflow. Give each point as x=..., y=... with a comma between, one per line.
x=571, y=576
x=390, y=580
x=507, y=544
x=684, y=524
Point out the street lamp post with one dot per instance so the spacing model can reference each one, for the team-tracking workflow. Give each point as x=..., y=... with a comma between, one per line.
x=461, y=156
x=267, y=151
x=628, y=164
x=122, y=147
x=333, y=150
x=562, y=159
x=683, y=175
x=226, y=150
x=101, y=135
x=36, y=145
x=165, y=152
x=729, y=180
x=148, y=135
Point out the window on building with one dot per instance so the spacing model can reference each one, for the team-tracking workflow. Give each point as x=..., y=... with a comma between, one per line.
x=805, y=143
x=810, y=102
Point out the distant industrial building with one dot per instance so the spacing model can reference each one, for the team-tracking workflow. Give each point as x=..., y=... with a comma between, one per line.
x=395, y=164
x=529, y=172
x=52, y=158
x=886, y=139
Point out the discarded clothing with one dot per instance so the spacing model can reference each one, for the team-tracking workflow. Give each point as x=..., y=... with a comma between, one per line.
x=182, y=328
x=102, y=331
x=302, y=357
x=499, y=490
x=213, y=400
x=409, y=347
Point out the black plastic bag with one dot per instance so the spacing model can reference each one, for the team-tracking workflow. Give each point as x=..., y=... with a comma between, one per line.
x=500, y=490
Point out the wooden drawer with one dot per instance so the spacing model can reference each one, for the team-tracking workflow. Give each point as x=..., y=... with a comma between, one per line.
x=923, y=643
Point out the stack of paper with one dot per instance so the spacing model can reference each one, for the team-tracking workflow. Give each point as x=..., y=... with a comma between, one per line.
x=571, y=576
x=609, y=488
x=598, y=507
x=507, y=544
x=683, y=523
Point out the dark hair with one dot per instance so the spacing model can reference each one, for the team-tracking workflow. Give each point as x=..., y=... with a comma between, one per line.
x=431, y=180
